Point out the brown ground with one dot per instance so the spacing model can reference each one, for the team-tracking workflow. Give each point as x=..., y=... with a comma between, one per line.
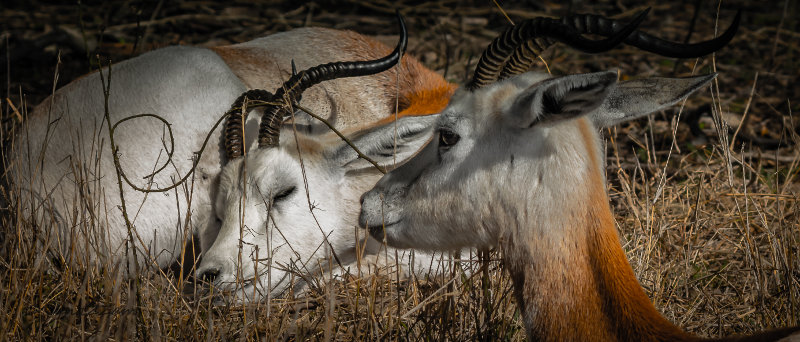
x=712, y=232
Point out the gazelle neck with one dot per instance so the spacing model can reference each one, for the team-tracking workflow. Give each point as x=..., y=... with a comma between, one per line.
x=585, y=290
x=571, y=276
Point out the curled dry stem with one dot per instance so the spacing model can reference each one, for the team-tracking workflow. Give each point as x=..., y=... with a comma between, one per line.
x=196, y=160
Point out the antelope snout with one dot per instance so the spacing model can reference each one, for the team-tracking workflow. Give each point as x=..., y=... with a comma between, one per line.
x=208, y=274
x=211, y=270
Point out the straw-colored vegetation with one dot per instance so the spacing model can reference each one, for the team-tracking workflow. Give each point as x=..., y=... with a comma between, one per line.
x=708, y=205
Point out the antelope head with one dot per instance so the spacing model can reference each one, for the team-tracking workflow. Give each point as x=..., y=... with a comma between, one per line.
x=516, y=163
x=283, y=204
x=503, y=119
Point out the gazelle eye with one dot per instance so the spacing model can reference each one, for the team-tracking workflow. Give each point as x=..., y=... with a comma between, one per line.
x=284, y=194
x=447, y=138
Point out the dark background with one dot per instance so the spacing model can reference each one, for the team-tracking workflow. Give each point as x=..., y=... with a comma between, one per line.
x=698, y=274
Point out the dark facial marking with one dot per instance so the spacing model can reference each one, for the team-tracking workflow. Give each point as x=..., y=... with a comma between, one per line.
x=284, y=194
x=448, y=138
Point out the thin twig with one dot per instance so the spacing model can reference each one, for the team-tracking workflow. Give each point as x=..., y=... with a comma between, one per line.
x=169, y=153
x=360, y=155
x=115, y=154
x=745, y=117
x=149, y=29
x=503, y=11
x=778, y=30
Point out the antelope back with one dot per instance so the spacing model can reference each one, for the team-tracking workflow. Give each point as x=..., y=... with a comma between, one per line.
x=65, y=172
x=346, y=102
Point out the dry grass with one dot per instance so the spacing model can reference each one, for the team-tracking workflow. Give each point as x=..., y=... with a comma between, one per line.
x=711, y=232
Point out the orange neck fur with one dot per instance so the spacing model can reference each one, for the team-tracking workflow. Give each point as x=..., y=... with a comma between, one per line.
x=585, y=289
x=573, y=280
x=420, y=90
x=572, y=277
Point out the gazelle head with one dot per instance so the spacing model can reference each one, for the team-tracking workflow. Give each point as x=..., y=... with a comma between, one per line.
x=500, y=145
x=284, y=209
x=282, y=206
x=517, y=163
x=519, y=143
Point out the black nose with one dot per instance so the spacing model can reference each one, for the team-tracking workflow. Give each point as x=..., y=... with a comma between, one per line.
x=209, y=274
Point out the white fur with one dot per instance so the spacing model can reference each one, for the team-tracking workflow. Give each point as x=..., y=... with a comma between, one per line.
x=265, y=243
x=190, y=87
x=443, y=198
x=519, y=176
x=63, y=162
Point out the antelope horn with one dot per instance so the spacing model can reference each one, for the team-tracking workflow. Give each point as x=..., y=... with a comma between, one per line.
x=500, y=50
x=525, y=55
x=595, y=24
x=234, y=124
x=288, y=94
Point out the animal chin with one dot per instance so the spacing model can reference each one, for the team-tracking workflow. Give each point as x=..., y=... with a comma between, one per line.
x=379, y=231
x=223, y=292
x=248, y=292
x=245, y=292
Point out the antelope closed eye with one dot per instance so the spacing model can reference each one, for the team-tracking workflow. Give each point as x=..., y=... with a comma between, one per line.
x=448, y=138
x=283, y=194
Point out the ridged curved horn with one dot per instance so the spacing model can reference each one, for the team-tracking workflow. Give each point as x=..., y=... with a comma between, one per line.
x=594, y=24
x=524, y=57
x=288, y=94
x=496, y=55
x=234, y=124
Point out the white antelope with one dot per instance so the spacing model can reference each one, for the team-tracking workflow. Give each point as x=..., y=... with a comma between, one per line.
x=65, y=171
x=517, y=163
x=290, y=206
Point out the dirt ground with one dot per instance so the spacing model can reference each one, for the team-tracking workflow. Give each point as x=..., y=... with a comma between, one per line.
x=709, y=215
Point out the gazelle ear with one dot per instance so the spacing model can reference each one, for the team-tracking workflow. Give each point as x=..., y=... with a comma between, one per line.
x=633, y=99
x=387, y=144
x=562, y=98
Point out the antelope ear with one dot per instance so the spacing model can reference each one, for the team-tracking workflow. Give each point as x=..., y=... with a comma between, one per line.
x=562, y=98
x=633, y=99
x=388, y=144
